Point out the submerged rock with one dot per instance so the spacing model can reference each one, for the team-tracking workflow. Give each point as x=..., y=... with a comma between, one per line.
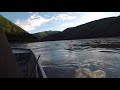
x=87, y=73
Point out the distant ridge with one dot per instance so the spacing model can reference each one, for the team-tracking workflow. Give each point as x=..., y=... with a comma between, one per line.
x=106, y=27
x=41, y=35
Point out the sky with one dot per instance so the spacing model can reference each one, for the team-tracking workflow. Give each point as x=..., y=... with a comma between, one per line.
x=34, y=22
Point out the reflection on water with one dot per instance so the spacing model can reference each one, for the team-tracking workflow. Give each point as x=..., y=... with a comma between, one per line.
x=60, y=59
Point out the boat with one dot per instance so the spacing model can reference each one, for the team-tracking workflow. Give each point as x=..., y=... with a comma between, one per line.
x=28, y=63
x=18, y=62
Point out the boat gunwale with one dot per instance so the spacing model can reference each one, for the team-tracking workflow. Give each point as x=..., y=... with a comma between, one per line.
x=32, y=52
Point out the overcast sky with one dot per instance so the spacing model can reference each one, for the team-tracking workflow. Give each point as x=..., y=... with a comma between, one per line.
x=43, y=21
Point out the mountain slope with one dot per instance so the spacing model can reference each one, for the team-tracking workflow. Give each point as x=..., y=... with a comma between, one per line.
x=106, y=27
x=44, y=34
x=14, y=33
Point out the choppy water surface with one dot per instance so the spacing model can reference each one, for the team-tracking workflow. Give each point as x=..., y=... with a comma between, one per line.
x=60, y=59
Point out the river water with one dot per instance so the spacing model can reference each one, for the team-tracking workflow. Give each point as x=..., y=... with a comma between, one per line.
x=60, y=59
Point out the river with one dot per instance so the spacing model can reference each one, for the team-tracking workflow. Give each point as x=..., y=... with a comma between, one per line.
x=61, y=59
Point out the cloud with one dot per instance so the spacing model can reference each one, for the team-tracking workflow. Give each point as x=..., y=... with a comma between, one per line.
x=30, y=12
x=63, y=17
x=69, y=13
x=91, y=16
x=77, y=12
x=35, y=20
x=32, y=22
x=67, y=24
